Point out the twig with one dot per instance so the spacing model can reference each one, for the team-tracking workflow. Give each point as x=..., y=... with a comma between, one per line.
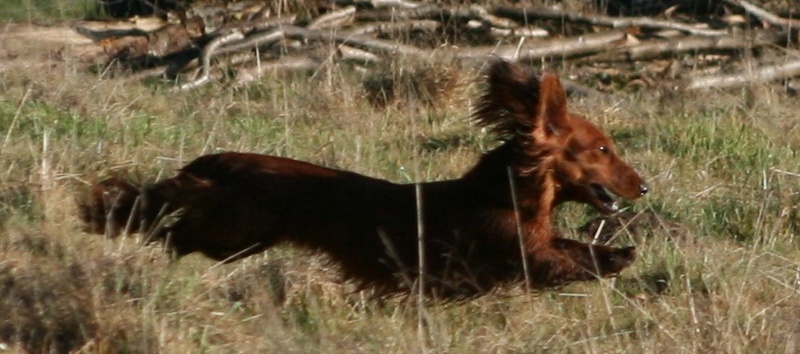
x=421, y=328
x=16, y=116
x=760, y=75
x=520, y=233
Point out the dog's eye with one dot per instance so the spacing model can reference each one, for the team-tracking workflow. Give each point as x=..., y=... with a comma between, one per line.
x=604, y=149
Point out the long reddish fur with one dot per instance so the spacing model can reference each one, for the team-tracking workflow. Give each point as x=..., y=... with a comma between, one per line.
x=233, y=205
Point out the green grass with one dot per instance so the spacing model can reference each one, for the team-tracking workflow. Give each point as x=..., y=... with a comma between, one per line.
x=723, y=170
x=46, y=11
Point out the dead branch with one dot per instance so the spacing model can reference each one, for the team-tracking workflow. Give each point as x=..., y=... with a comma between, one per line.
x=357, y=55
x=236, y=41
x=355, y=34
x=402, y=4
x=251, y=41
x=482, y=14
x=519, y=32
x=373, y=45
x=764, y=15
x=336, y=18
x=427, y=12
x=208, y=51
x=533, y=50
x=759, y=75
x=527, y=15
x=256, y=25
x=653, y=49
x=394, y=26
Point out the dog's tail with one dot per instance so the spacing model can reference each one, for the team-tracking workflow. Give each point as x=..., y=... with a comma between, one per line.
x=112, y=207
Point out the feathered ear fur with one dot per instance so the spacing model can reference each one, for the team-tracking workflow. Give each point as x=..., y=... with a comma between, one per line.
x=519, y=106
x=552, y=111
x=508, y=103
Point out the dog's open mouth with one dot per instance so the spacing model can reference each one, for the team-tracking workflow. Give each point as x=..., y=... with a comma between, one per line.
x=604, y=197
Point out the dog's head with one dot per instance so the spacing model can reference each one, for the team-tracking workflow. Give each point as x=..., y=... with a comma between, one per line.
x=531, y=113
x=589, y=169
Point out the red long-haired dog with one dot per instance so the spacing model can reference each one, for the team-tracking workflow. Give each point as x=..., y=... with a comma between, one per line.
x=483, y=229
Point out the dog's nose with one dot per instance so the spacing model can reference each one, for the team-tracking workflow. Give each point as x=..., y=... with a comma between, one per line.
x=643, y=189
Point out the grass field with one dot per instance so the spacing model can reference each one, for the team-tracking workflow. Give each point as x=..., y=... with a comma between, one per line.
x=723, y=167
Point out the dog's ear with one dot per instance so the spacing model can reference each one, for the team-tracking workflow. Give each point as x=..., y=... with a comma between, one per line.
x=509, y=102
x=552, y=117
x=516, y=102
x=511, y=87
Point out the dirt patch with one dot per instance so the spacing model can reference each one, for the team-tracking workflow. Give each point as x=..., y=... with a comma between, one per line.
x=36, y=46
x=61, y=35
